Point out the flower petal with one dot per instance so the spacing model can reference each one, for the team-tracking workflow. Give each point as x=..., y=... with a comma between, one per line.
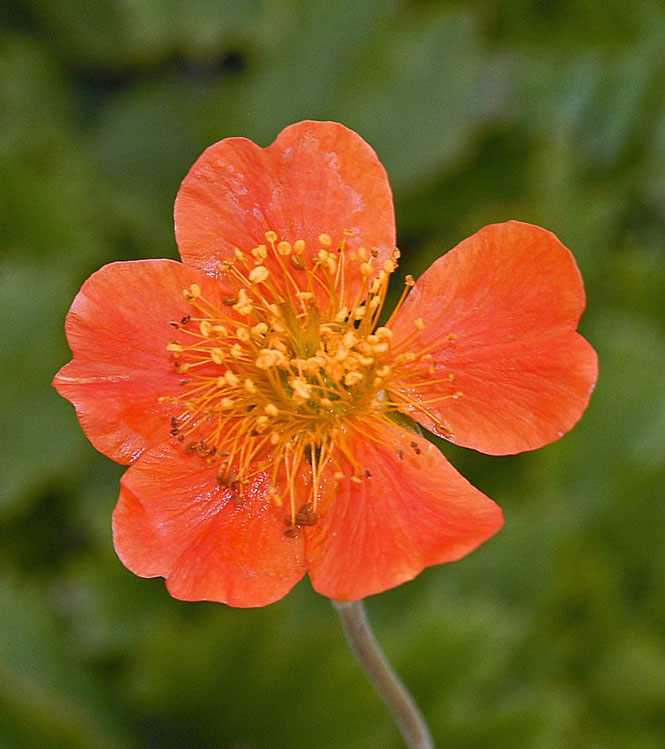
x=317, y=177
x=118, y=329
x=174, y=520
x=414, y=511
x=511, y=296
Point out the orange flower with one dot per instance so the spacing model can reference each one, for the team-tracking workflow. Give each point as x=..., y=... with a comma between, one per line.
x=261, y=406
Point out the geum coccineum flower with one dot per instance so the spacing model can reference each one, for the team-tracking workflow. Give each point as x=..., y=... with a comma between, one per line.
x=258, y=391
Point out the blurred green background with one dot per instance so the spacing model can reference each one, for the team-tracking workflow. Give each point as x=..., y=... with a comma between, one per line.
x=550, y=111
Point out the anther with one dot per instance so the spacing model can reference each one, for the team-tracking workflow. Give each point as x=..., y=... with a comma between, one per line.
x=231, y=378
x=258, y=274
x=301, y=388
x=243, y=304
x=305, y=515
x=353, y=378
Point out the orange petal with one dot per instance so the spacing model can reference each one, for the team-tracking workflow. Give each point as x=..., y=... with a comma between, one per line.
x=317, y=177
x=118, y=329
x=511, y=295
x=174, y=520
x=412, y=511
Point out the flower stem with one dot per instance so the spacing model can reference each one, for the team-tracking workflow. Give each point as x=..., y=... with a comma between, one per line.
x=382, y=675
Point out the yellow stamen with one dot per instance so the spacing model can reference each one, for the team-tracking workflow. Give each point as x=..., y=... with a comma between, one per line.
x=292, y=366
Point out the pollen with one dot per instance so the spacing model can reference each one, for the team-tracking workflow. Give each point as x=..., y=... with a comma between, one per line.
x=289, y=362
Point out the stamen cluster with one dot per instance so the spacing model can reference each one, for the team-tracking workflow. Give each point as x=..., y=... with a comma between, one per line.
x=292, y=360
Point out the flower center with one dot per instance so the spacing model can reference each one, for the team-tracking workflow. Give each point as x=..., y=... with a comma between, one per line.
x=279, y=375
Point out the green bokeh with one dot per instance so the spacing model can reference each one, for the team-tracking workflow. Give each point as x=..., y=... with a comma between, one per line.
x=551, y=111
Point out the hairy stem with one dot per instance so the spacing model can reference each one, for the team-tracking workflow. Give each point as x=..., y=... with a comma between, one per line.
x=382, y=675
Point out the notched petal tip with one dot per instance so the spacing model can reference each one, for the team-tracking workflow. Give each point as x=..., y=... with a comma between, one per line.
x=315, y=178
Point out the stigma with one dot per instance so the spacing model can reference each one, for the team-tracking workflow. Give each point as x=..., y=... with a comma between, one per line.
x=290, y=364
